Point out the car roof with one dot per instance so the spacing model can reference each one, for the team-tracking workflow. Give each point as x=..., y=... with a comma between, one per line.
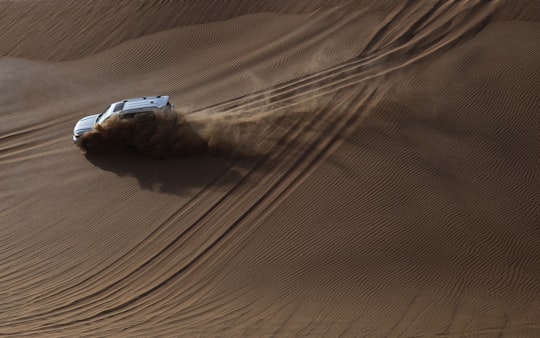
x=145, y=102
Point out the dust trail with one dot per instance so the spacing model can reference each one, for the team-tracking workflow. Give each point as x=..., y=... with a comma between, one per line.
x=167, y=134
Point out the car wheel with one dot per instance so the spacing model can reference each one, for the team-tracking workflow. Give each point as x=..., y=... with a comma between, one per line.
x=86, y=144
x=94, y=143
x=89, y=146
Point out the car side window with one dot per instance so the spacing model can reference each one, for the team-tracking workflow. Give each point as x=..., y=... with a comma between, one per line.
x=118, y=107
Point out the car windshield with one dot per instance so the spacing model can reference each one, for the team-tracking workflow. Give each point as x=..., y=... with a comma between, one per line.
x=105, y=115
x=113, y=108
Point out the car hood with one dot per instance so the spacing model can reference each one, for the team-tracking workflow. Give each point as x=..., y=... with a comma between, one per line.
x=85, y=124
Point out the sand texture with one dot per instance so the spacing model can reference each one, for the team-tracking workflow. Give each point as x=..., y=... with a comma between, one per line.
x=333, y=168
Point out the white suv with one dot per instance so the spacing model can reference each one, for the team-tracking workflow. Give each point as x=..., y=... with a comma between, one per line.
x=125, y=109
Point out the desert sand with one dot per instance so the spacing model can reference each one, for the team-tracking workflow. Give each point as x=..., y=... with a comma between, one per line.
x=369, y=169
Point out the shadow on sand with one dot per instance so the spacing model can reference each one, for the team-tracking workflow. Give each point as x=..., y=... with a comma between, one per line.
x=173, y=176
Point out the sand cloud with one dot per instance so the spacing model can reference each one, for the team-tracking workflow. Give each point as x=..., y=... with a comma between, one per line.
x=168, y=133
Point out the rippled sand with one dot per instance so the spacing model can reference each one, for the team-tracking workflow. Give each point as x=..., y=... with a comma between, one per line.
x=371, y=169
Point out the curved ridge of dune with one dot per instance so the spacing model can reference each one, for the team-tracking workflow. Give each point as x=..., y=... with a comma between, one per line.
x=366, y=169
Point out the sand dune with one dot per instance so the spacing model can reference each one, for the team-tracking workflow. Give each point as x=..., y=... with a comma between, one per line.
x=361, y=169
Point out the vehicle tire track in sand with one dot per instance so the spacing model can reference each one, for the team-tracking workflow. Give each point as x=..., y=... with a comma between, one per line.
x=373, y=62
x=213, y=261
x=325, y=83
x=172, y=248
